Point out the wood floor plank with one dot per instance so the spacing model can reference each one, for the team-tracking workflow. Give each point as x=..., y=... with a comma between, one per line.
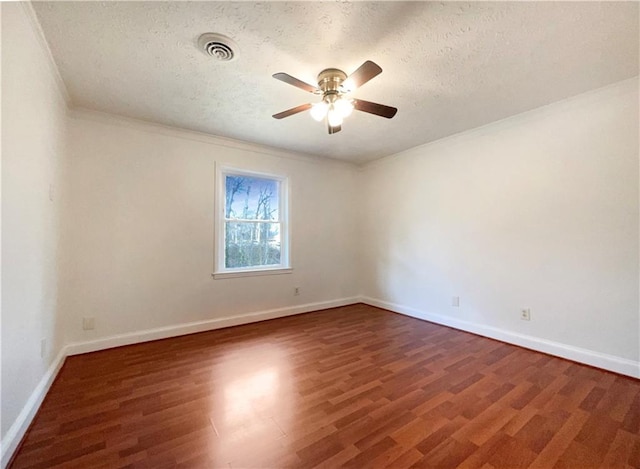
x=355, y=386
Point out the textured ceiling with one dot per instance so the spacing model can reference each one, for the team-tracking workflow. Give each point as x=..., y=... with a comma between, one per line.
x=447, y=67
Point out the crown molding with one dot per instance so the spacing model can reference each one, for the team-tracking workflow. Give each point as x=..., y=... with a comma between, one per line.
x=44, y=47
x=628, y=85
x=187, y=134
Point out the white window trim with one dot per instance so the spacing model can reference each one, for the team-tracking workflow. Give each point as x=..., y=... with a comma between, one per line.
x=220, y=271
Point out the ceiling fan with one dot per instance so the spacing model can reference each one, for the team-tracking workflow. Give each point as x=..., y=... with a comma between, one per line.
x=334, y=86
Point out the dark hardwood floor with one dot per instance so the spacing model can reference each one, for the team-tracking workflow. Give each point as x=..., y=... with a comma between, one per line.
x=354, y=386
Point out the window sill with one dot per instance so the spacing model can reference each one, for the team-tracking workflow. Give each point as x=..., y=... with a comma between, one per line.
x=251, y=273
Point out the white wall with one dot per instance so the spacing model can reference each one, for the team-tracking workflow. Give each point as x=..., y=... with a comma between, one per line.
x=33, y=128
x=537, y=211
x=141, y=229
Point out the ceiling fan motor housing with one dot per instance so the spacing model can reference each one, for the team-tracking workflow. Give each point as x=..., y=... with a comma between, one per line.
x=330, y=79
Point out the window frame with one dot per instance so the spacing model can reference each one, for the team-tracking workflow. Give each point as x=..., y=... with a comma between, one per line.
x=220, y=221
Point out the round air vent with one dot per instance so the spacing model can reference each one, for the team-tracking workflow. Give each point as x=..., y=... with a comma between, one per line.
x=218, y=46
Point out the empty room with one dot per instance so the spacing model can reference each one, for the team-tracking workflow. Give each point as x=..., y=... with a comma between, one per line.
x=320, y=234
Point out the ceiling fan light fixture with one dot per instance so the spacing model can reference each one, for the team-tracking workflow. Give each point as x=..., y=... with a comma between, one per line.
x=334, y=117
x=344, y=106
x=319, y=111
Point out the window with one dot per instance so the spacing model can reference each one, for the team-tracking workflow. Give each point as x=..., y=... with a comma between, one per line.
x=252, y=228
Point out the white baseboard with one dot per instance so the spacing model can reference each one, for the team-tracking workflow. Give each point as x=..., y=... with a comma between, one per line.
x=589, y=357
x=16, y=432
x=201, y=326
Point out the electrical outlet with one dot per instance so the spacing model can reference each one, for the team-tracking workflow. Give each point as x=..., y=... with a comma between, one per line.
x=296, y=291
x=88, y=323
x=43, y=347
x=525, y=314
x=455, y=301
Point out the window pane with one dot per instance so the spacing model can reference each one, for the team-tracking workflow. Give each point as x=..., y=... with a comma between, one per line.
x=251, y=244
x=251, y=198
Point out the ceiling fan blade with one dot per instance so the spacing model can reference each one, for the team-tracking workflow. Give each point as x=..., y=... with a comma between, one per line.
x=292, y=111
x=334, y=129
x=374, y=108
x=365, y=72
x=295, y=82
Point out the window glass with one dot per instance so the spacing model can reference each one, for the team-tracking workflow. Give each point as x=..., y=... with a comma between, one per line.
x=252, y=216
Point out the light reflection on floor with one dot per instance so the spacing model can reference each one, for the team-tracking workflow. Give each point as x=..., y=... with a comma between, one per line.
x=240, y=395
x=252, y=397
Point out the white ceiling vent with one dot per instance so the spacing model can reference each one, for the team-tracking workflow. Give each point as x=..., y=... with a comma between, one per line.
x=218, y=46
